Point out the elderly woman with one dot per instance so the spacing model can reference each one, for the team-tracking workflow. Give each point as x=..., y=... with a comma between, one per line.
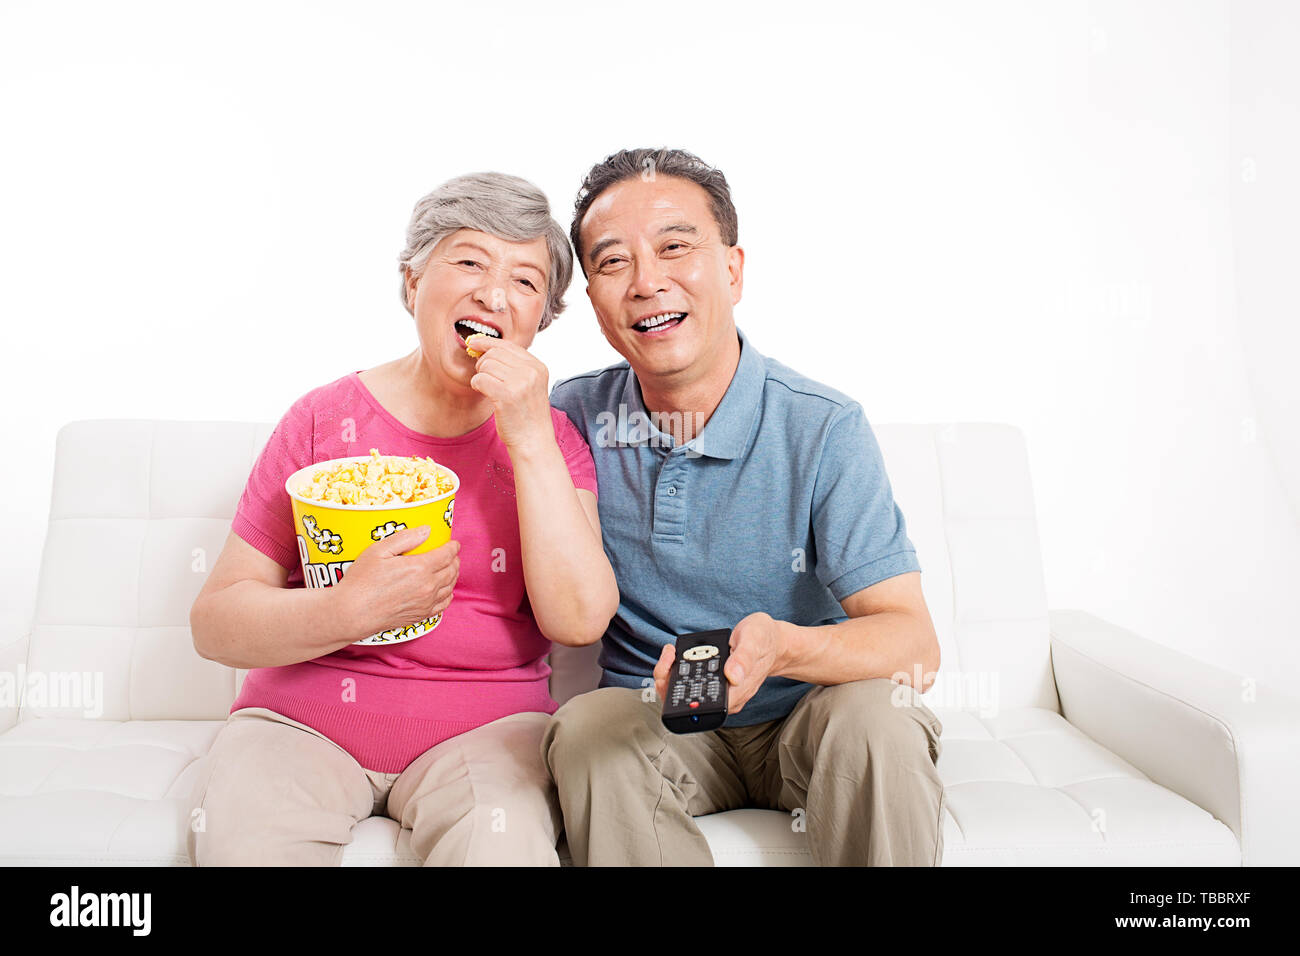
x=441, y=733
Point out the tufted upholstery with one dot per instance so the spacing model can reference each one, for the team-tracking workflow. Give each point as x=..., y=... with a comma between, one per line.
x=1123, y=753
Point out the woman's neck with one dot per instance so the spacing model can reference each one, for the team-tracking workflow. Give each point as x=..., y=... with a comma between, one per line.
x=424, y=403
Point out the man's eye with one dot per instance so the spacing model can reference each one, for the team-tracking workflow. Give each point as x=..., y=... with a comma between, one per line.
x=611, y=261
x=674, y=245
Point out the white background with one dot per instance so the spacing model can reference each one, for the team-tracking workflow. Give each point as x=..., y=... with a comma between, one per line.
x=1075, y=217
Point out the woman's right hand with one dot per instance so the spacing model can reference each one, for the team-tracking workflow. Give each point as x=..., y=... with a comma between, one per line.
x=387, y=588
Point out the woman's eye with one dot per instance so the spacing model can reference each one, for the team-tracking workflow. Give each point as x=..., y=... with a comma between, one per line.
x=467, y=262
x=529, y=284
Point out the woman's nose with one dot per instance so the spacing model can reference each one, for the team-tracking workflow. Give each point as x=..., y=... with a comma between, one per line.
x=491, y=296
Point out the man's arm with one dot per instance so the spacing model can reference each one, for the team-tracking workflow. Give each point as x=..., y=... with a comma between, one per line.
x=860, y=536
x=889, y=632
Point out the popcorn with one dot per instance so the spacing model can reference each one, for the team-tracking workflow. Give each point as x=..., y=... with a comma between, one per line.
x=382, y=480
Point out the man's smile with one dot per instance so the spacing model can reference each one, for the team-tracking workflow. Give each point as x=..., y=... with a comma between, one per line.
x=658, y=323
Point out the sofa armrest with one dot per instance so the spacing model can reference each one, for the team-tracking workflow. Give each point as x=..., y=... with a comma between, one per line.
x=1223, y=742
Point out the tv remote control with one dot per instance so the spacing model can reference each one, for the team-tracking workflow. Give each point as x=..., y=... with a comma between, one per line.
x=697, y=690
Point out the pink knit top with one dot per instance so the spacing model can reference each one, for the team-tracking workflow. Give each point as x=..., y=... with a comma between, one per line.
x=387, y=704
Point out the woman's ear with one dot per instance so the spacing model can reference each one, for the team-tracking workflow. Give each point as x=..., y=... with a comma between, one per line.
x=410, y=291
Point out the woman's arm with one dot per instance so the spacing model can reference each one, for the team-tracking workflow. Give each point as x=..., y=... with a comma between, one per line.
x=246, y=617
x=571, y=585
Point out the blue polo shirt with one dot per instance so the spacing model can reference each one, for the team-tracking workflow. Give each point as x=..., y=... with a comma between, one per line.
x=781, y=504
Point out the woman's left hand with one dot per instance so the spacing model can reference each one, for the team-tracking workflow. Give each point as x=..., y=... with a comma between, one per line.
x=515, y=382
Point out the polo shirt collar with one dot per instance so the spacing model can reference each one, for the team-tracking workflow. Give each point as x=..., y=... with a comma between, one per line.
x=727, y=432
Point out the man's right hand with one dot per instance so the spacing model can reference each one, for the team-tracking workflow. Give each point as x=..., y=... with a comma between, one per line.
x=386, y=588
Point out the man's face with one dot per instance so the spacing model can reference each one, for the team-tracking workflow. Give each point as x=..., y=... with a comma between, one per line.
x=652, y=248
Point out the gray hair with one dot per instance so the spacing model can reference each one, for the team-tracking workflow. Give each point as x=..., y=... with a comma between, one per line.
x=504, y=206
x=646, y=164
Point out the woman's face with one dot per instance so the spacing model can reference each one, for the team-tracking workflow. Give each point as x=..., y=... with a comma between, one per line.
x=476, y=282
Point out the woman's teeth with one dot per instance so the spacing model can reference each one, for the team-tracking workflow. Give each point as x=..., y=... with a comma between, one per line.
x=467, y=327
x=655, y=321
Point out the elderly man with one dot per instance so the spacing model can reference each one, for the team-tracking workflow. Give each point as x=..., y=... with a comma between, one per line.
x=735, y=493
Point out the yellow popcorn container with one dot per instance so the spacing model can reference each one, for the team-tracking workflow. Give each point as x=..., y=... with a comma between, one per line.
x=332, y=535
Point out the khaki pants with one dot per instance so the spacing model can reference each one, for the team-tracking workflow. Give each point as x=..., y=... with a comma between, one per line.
x=275, y=792
x=858, y=760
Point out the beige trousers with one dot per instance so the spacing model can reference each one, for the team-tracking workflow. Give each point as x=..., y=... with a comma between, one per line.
x=275, y=792
x=852, y=763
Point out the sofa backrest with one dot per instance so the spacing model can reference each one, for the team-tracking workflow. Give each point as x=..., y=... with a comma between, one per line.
x=139, y=513
x=965, y=492
x=140, y=510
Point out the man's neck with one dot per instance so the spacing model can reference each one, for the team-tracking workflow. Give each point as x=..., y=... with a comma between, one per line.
x=682, y=409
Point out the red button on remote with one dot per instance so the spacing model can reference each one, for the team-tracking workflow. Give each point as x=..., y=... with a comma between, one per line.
x=695, y=703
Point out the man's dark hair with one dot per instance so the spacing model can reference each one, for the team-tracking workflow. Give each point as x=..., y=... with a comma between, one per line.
x=648, y=164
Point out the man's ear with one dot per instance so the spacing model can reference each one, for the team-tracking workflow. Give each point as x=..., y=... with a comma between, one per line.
x=736, y=270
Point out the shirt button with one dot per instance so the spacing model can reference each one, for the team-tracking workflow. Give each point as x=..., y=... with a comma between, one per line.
x=672, y=490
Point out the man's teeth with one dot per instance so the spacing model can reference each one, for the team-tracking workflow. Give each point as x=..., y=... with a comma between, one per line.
x=480, y=327
x=655, y=321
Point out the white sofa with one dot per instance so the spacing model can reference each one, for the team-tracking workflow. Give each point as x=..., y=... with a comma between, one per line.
x=1066, y=740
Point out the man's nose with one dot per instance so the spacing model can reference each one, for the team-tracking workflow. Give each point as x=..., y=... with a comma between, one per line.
x=648, y=279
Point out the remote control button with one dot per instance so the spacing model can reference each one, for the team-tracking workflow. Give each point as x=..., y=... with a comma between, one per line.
x=700, y=652
x=695, y=703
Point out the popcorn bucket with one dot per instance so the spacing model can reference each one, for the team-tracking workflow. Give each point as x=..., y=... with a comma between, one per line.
x=331, y=536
